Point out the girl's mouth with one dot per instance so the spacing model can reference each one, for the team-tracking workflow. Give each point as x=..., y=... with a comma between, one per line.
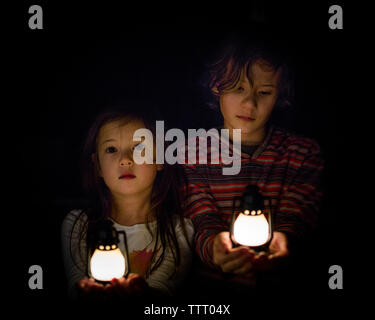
x=127, y=176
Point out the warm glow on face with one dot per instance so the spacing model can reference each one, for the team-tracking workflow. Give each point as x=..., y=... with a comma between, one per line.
x=251, y=230
x=106, y=265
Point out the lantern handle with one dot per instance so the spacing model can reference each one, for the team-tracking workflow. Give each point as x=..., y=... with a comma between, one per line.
x=233, y=207
x=126, y=251
x=270, y=220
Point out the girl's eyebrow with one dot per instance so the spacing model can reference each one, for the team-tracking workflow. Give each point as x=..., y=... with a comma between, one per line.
x=108, y=140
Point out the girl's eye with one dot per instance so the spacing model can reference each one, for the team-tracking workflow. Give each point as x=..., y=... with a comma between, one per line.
x=139, y=146
x=240, y=89
x=110, y=150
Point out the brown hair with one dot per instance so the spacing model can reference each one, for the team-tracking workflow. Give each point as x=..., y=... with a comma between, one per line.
x=234, y=60
x=168, y=191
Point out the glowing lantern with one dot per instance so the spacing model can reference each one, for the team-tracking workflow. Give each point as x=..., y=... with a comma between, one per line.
x=108, y=261
x=251, y=222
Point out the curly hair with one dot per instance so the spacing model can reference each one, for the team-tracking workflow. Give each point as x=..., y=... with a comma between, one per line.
x=233, y=61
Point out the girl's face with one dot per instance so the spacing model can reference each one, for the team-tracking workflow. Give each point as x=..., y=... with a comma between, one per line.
x=249, y=106
x=115, y=148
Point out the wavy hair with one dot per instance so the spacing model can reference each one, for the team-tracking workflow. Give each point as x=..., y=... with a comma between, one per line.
x=233, y=61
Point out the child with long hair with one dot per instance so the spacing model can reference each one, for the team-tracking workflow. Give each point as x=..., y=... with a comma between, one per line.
x=144, y=200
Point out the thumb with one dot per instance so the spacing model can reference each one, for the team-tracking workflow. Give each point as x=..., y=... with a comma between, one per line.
x=223, y=242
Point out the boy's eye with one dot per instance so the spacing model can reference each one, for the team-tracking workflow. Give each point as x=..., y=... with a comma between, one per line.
x=111, y=150
x=264, y=93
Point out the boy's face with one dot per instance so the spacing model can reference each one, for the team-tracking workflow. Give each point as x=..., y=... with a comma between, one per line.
x=249, y=106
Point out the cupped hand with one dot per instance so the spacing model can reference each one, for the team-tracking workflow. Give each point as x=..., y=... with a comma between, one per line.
x=237, y=260
x=278, y=251
x=133, y=284
x=89, y=288
x=243, y=260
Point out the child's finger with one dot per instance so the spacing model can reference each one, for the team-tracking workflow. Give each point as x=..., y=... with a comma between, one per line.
x=132, y=276
x=82, y=285
x=235, y=264
x=244, y=250
x=120, y=286
x=124, y=284
x=246, y=268
x=262, y=262
x=138, y=286
x=279, y=254
x=108, y=288
x=138, y=282
x=86, y=285
x=96, y=287
x=222, y=242
x=234, y=254
x=260, y=257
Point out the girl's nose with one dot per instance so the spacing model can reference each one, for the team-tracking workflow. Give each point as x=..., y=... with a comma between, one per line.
x=126, y=160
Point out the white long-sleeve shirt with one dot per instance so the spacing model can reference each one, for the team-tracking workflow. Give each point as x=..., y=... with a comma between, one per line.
x=141, y=245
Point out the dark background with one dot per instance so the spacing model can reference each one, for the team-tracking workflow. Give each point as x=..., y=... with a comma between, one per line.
x=86, y=54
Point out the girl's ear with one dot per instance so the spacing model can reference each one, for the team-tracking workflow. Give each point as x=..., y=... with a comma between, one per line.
x=214, y=90
x=95, y=162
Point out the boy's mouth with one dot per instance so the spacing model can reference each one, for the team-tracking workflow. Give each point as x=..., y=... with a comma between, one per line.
x=245, y=118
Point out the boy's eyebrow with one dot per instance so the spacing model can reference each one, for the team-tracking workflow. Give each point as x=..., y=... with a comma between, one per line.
x=262, y=85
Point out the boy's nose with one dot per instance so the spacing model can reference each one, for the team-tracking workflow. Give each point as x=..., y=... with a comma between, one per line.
x=249, y=101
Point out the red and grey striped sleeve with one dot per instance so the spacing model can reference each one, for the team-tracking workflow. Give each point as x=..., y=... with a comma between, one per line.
x=300, y=195
x=203, y=213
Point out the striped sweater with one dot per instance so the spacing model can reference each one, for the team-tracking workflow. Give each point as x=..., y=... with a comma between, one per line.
x=286, y=169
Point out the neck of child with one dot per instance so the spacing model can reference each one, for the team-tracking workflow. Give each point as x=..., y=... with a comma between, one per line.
x=253, y=138
x=131, y=210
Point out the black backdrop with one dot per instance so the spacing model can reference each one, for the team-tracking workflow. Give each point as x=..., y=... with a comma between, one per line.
x=85, y=54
